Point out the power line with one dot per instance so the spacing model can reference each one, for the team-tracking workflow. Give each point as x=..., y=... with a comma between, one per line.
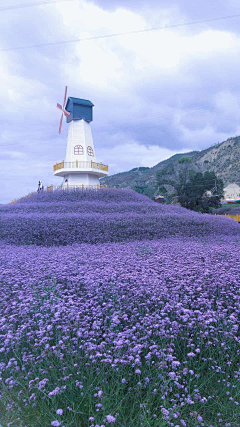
x=120, y=34
x=37, y=3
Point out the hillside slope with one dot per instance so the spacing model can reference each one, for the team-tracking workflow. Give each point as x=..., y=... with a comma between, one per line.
x=107, y=215
x=222, y=158
x=140, y=329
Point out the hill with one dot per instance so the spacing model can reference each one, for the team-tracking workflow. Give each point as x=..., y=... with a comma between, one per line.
x=107, y=215
x=222, y=158
x=118, y=311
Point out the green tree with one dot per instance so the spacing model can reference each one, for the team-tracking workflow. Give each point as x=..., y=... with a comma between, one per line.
x=202, y=192
x=175, y=174
x=183, y=173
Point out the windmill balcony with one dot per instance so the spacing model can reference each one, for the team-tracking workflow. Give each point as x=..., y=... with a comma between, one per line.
x=64, y=168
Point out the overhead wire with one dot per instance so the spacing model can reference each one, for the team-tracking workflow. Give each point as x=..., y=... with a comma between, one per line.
x=47, y=2
x=120, y=34
x=33, y=4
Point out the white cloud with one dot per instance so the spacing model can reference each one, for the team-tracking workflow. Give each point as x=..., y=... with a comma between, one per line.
x=114, y=63
x=195, y=138
x=155, y=93
x=227, y=103
x=126, y=156
x=18, y=94
x=13, y=154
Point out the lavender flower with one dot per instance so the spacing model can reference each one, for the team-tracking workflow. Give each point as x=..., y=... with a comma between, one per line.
x=110, y=419
x=110, y=287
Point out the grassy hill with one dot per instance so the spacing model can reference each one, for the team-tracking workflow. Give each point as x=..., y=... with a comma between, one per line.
x=117, y=311
x=222, y=158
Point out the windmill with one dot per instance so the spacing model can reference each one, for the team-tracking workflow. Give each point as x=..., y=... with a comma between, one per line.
x=80, y=167
x=62, y=108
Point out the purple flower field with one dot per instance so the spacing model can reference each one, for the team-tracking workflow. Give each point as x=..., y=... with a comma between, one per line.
x=117, y=311
x=67, y=217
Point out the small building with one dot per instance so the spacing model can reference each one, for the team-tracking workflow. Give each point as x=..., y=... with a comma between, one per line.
x=231, y=191
x=159, y=199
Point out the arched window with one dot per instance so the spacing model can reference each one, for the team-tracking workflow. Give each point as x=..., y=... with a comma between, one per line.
x=90, y=151
x=78, y=149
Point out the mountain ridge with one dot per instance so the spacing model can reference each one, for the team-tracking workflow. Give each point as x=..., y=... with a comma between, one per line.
x=222, y=158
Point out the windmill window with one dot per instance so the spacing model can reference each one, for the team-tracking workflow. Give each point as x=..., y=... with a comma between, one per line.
x=90, y=151
x=78, y=150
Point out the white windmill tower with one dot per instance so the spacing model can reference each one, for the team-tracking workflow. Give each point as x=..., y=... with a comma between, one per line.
x=80, y=168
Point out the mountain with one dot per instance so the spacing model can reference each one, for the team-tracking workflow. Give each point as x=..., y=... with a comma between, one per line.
x=222, y=158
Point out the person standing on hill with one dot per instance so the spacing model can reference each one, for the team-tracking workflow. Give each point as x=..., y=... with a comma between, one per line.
x=40, y=186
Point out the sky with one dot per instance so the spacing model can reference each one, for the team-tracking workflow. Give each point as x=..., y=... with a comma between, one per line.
x=155, y=93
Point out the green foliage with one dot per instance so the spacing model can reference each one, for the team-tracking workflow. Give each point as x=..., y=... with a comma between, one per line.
x=143, y=168
x=202, y=192
x=162, y=190
x=169, y=198
x=140, y=169
x=184, y=160
x=162, y=176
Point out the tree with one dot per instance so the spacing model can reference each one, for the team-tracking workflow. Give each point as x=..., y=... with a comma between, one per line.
x=140, y=186
x=183, y=174
x=175, y=174
x=202, y=192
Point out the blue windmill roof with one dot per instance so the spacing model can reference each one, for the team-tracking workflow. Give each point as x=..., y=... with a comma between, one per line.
x=79, y=101
x=79, y=109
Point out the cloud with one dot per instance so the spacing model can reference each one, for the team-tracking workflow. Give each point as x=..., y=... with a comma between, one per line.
x=127, y=156
x=155, y=93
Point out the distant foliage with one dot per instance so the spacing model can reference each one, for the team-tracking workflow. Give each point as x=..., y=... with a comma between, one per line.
x=191, y=186
x=143, y=168
x=140, y=169
x=184, y=160
x=202, y=192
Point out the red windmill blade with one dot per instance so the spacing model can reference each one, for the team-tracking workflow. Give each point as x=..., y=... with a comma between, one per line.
x=62, y=108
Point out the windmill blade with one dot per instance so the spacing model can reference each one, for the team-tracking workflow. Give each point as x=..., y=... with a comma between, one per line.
x=66, y=113
x=60, y=126
x=62, y=108
x=65, y=97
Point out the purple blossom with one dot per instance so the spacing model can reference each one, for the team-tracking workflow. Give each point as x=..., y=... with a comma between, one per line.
x=99, y=287
x=54, y=392
x=172, y=375
x=110, y=419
